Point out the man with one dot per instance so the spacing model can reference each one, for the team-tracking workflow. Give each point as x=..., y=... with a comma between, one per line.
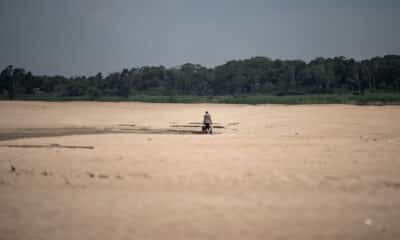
x=207, y=123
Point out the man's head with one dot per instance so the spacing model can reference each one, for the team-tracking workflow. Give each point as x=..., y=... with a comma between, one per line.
x=206, y=112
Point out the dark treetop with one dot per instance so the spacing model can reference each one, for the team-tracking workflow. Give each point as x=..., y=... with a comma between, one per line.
x=258, y=75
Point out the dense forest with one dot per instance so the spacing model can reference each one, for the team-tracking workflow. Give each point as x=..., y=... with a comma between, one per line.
x=257, y=75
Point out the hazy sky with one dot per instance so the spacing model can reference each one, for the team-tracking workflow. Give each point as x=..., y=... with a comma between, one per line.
x=75, y=37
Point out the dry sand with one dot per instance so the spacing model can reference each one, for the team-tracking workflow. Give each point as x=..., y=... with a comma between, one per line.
x=123, y=171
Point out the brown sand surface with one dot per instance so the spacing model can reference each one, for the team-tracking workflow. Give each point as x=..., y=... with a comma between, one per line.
x=86, y=170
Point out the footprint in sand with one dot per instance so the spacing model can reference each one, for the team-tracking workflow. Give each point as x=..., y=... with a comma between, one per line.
x=391, y=184
x=119, y=177
x=46, y=173
x=142, y=175
x=103, y=176
x=127, y=125
x=3, y=182
x=66, y=180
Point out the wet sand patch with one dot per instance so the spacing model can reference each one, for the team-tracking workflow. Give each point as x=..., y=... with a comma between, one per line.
x=12, y=134
x=47, y=146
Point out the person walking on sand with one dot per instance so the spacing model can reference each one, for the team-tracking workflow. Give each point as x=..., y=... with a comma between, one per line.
x=207, y=123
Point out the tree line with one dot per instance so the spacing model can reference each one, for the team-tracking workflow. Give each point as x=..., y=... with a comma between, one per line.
x=257, y=75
